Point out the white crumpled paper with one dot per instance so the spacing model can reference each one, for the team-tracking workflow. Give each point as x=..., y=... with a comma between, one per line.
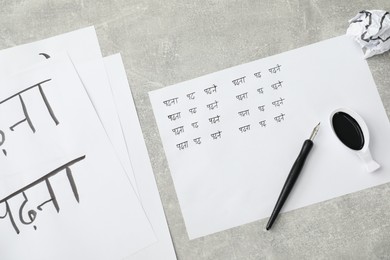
x=371, y=30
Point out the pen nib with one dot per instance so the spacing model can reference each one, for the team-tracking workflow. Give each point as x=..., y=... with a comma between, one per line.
x=315, y=131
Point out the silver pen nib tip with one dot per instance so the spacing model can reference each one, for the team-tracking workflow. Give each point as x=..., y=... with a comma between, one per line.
x=315, y=131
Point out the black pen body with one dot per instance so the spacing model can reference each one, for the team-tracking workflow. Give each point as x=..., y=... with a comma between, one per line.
x=291, y=179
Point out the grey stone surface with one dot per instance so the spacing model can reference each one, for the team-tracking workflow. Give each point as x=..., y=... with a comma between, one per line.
x=165, y=42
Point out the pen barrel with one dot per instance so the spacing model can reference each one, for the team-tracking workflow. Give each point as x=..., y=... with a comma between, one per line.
x=296, y=169
x=291, y=179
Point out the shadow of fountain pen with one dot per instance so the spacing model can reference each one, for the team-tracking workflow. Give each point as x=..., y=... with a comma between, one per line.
x=293, y=176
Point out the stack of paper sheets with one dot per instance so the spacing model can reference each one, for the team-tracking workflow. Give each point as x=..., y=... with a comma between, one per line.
x=75, y=177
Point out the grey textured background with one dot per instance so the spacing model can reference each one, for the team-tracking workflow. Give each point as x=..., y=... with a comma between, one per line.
x=165, y=42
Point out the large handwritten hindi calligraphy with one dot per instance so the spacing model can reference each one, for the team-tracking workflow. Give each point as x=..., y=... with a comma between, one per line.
x=60, y=178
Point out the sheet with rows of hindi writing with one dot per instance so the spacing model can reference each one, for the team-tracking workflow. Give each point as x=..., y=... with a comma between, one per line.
x=232, y=136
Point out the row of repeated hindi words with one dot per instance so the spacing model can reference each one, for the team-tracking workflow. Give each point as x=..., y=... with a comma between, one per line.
x=178, y=130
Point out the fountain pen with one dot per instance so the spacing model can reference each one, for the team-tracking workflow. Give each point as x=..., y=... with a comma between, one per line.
x=293, y=176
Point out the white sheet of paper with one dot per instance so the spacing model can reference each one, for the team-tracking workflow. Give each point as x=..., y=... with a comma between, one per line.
x=94, y=77
x=82, y=46
x=163, y=249
x=234, y=176
x=65, y=194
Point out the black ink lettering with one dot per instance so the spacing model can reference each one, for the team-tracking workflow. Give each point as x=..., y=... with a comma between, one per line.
x=178, y=130
x=242, y=96
x=2, y=142
x=11, y=218
x=24, y=108
x=275, y=69
x=257, y=74
x=211, y=90
x=52, y=195
x=263, y=123
x=47, y=56
x=192, y=110
x=72, y=184
x=214, y=119
x=197, y=140
x=216, y=135
x=191, y=96
x=171, y=101
x=27, y=117
x=24, y=90
x=244, y=128
x=213, y=105
x=182, y=145
x=278, y=103
x=175, y=116
x=244, y=113
x=239, y=81
x=279, y=118
x=261, y=108
x=49, y=109
x=32, y=214
x=277, y=85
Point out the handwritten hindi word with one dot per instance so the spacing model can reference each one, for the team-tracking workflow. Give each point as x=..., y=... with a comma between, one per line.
x=178, y=130
x=244, y=128
x=25, y=110
x=171, y=101
x=174, y=116
x=191, y=96
x=260, y=90
x=211, y=90
x=242, y=96
x=257, y=74
x=197, y=140
x=216, y=135
x=279, y=118
x=239, y=81
x=32, y=214
x=244, y=113
x=213, y=105
x=277, y=85
x=261, y=108
x=263, y=123
x=192, y=110
x=195, y=124
x=278, y=103
x=275, y=69
x=214, y=119
x=182, y=145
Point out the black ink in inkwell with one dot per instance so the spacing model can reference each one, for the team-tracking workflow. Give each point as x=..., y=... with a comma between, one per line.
x=347, y=129
x=353, y=132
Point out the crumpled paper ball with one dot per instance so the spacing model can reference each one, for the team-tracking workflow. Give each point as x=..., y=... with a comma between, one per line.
x=371, y=29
